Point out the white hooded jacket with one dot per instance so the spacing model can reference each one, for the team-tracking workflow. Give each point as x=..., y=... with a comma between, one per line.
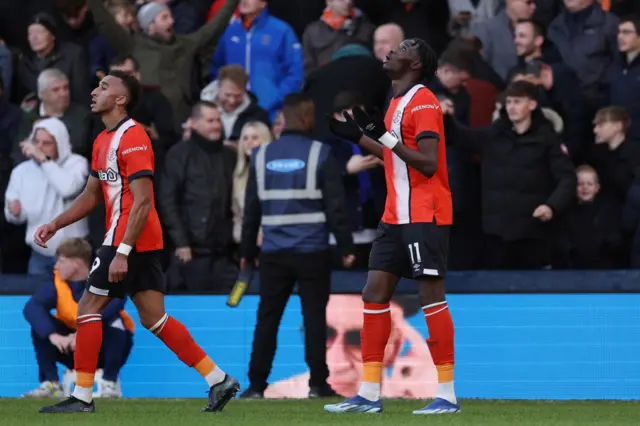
x=228, y=119
x=46, y=190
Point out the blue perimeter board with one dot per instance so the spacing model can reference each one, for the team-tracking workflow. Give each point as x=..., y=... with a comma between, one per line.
x=509, y=346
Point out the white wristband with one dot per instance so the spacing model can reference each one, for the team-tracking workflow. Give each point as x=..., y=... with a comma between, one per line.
x=388, y=140
x=124, y=249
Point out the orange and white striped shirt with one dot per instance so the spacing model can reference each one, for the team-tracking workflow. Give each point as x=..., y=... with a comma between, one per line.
x=119, y=157
x=411, y=196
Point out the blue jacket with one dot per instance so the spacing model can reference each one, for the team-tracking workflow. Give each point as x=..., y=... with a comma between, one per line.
x=38, y=309
x=271, y=54
x=624, y=91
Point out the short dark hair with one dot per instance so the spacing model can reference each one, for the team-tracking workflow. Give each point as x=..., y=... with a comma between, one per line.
x=522, y=89
x=196, y=111
x=538, y=29
x=76, y=248
x=294, y=100
x=122, y=59
x=458, y=57
x=132, y=85
x=634, y=19
x=428, y=58
x=347, y=100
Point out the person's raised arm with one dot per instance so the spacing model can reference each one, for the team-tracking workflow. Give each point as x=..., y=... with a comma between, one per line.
x=210, y=33
x=426, y=120
x=117, y=36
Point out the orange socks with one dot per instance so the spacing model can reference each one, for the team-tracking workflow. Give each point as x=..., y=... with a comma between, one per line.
x=375, y=334
x=88, y=343
x=177, y=338
x=441, y=346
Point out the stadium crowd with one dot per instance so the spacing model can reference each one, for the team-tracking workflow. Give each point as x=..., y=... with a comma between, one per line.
x=542, y=104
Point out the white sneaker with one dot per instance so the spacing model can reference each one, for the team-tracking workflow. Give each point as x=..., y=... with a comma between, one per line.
x=45, y=390
x=107, y=389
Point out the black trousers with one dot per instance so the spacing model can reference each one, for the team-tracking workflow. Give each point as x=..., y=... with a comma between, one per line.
x=518, y=255
x=278, y=275
x=203, y=274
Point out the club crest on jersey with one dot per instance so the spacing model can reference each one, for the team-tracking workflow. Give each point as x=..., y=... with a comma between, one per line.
x=113, y=154
x=397, y=116
x=109, y=176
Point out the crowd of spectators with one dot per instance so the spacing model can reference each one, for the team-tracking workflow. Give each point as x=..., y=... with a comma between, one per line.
x=541, y=97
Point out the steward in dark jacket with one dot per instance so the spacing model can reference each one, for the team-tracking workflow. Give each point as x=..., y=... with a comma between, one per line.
x=527, y=177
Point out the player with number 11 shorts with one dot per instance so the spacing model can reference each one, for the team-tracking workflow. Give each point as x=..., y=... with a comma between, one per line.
x=413, y=235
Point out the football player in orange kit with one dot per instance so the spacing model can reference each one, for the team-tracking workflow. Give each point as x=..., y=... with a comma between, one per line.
x=128, y=262
x=413, y=235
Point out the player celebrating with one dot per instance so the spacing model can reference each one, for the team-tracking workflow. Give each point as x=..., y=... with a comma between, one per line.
x=413, y=235
x=129, y=259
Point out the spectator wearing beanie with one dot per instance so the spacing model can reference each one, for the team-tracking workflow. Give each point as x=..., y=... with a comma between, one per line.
x=46, y=51
x=166, y=58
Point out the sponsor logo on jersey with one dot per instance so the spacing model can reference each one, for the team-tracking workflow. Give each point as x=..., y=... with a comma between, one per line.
x=134, y=149
x=426, y=106
x=109, y=176
x=287, y=165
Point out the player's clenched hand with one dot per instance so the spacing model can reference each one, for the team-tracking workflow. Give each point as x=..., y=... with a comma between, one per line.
x=347, y=129
x=118, y=268
x=44, y=233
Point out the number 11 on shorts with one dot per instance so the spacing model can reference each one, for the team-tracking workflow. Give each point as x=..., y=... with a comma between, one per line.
x=414, y=252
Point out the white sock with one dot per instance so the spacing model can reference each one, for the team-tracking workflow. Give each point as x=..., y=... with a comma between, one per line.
x=83, y=394
x=216, y=376
x=370, y=391
x=445, y=391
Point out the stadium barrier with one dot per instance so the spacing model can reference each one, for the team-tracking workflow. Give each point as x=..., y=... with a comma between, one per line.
x=509, y=346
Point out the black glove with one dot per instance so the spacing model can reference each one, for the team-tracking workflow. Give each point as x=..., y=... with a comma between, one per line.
x=348, y=129
x=372, y=124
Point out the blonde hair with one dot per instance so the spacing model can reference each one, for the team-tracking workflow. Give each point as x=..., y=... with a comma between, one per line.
x=585, y=168
x=241, y=172
x=76, y=248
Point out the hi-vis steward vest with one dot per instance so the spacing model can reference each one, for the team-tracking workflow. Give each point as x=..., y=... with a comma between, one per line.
x=67, y=307
x=287, y=172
